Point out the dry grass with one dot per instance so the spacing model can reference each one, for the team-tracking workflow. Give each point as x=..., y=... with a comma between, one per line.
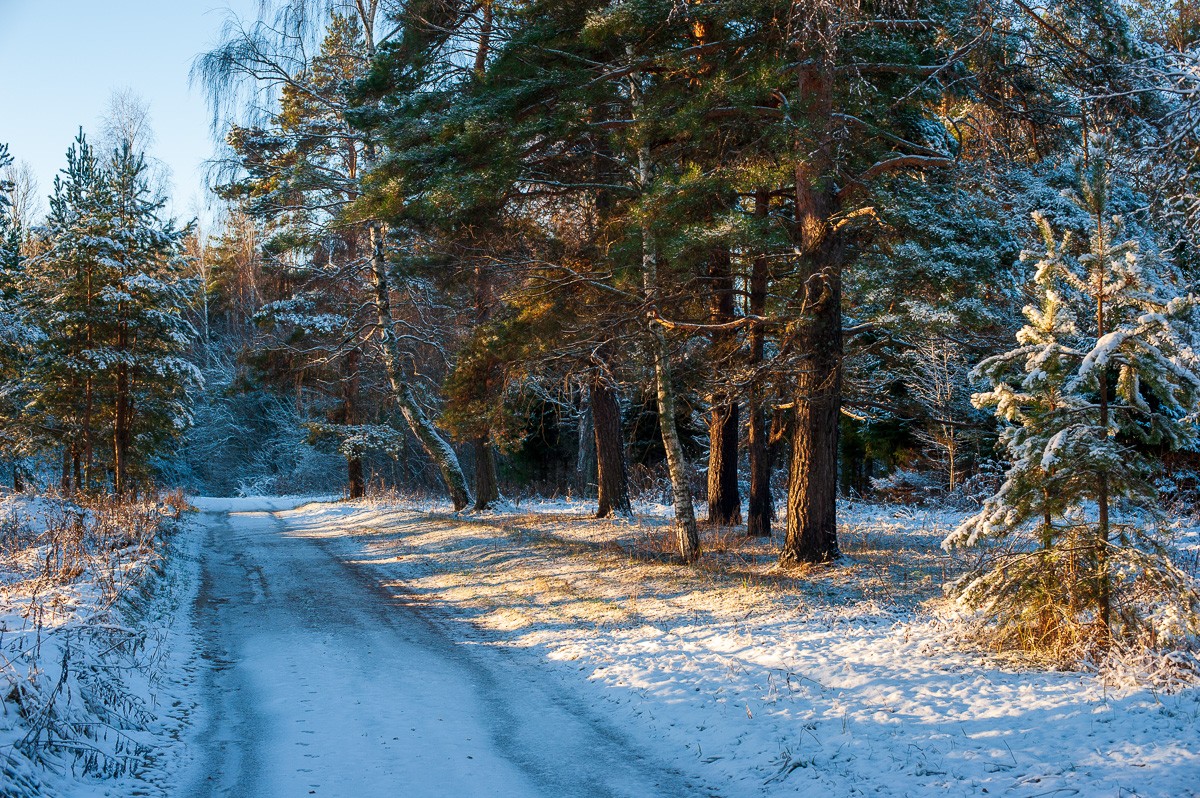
x=65, y=648
x=522, y=570
x=51, y=542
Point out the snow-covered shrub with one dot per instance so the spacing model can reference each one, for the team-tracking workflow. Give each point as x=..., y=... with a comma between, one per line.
x=1104, y=375
x=73, y=671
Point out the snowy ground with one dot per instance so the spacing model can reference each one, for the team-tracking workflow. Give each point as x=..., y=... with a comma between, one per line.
x=361, y=649
x=85, y=612
x=317, y=681
x=767, y=683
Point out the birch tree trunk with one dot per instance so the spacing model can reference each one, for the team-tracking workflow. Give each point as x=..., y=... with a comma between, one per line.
x=434, y=445
x=685, y=514
x=586, y=464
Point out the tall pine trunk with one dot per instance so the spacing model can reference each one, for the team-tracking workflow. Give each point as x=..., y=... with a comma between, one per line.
x=812, y=482
x=724, y=502
x=1103, y=578
x=122, y=418
x=435, y=446
x=812, y=477
x=612, y=475
x=120, y=433
x=762, y=509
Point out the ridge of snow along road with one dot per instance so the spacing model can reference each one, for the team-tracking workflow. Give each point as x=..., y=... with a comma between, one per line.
x=844, y=681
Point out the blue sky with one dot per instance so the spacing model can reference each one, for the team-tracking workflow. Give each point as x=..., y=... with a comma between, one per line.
x=60, y=60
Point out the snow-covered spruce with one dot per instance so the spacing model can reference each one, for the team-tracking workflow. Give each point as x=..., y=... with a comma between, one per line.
x=1105, y=374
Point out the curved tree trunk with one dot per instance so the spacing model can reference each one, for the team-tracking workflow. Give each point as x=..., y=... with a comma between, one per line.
x=612, y=475
x=687, y=535
x=437, y=447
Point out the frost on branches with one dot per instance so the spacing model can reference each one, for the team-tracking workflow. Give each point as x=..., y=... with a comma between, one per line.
x=1104, y=375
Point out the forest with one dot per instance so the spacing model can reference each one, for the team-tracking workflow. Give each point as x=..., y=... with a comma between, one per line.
x=758, y=255
x=831, y=369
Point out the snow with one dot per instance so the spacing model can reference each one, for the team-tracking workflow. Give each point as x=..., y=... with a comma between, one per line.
x=315, y=681
x=353, y=648
x=840, y=681
x=86, y=661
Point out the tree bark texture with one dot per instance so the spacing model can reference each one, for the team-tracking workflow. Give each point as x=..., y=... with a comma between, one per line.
x=761, y=511
x=612, y=474
x=435, y=446
x=812, y=478
x=724, y=501
x=487, y=489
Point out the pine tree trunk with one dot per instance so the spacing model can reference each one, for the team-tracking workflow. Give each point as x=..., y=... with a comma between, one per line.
x=724, y=503
x=487, y=490
x=1103, y=577
x=812, y=478
x=355, y=484
x=88, y=447
x=612, y=475
x=812, y=482
x=120, y=440
x=435, y=446
x=762, y=509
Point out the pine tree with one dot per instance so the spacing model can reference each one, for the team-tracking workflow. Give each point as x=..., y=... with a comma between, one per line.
x=16, y=335
x=1104, y=375
x=303, y=171
x=107, y=383
x=144, y=300
x=60, y=292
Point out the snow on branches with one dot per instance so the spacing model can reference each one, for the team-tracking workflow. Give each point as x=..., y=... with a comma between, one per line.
x=1103, y=376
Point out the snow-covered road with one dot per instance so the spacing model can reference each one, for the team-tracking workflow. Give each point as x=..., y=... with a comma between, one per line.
x=320, y=681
